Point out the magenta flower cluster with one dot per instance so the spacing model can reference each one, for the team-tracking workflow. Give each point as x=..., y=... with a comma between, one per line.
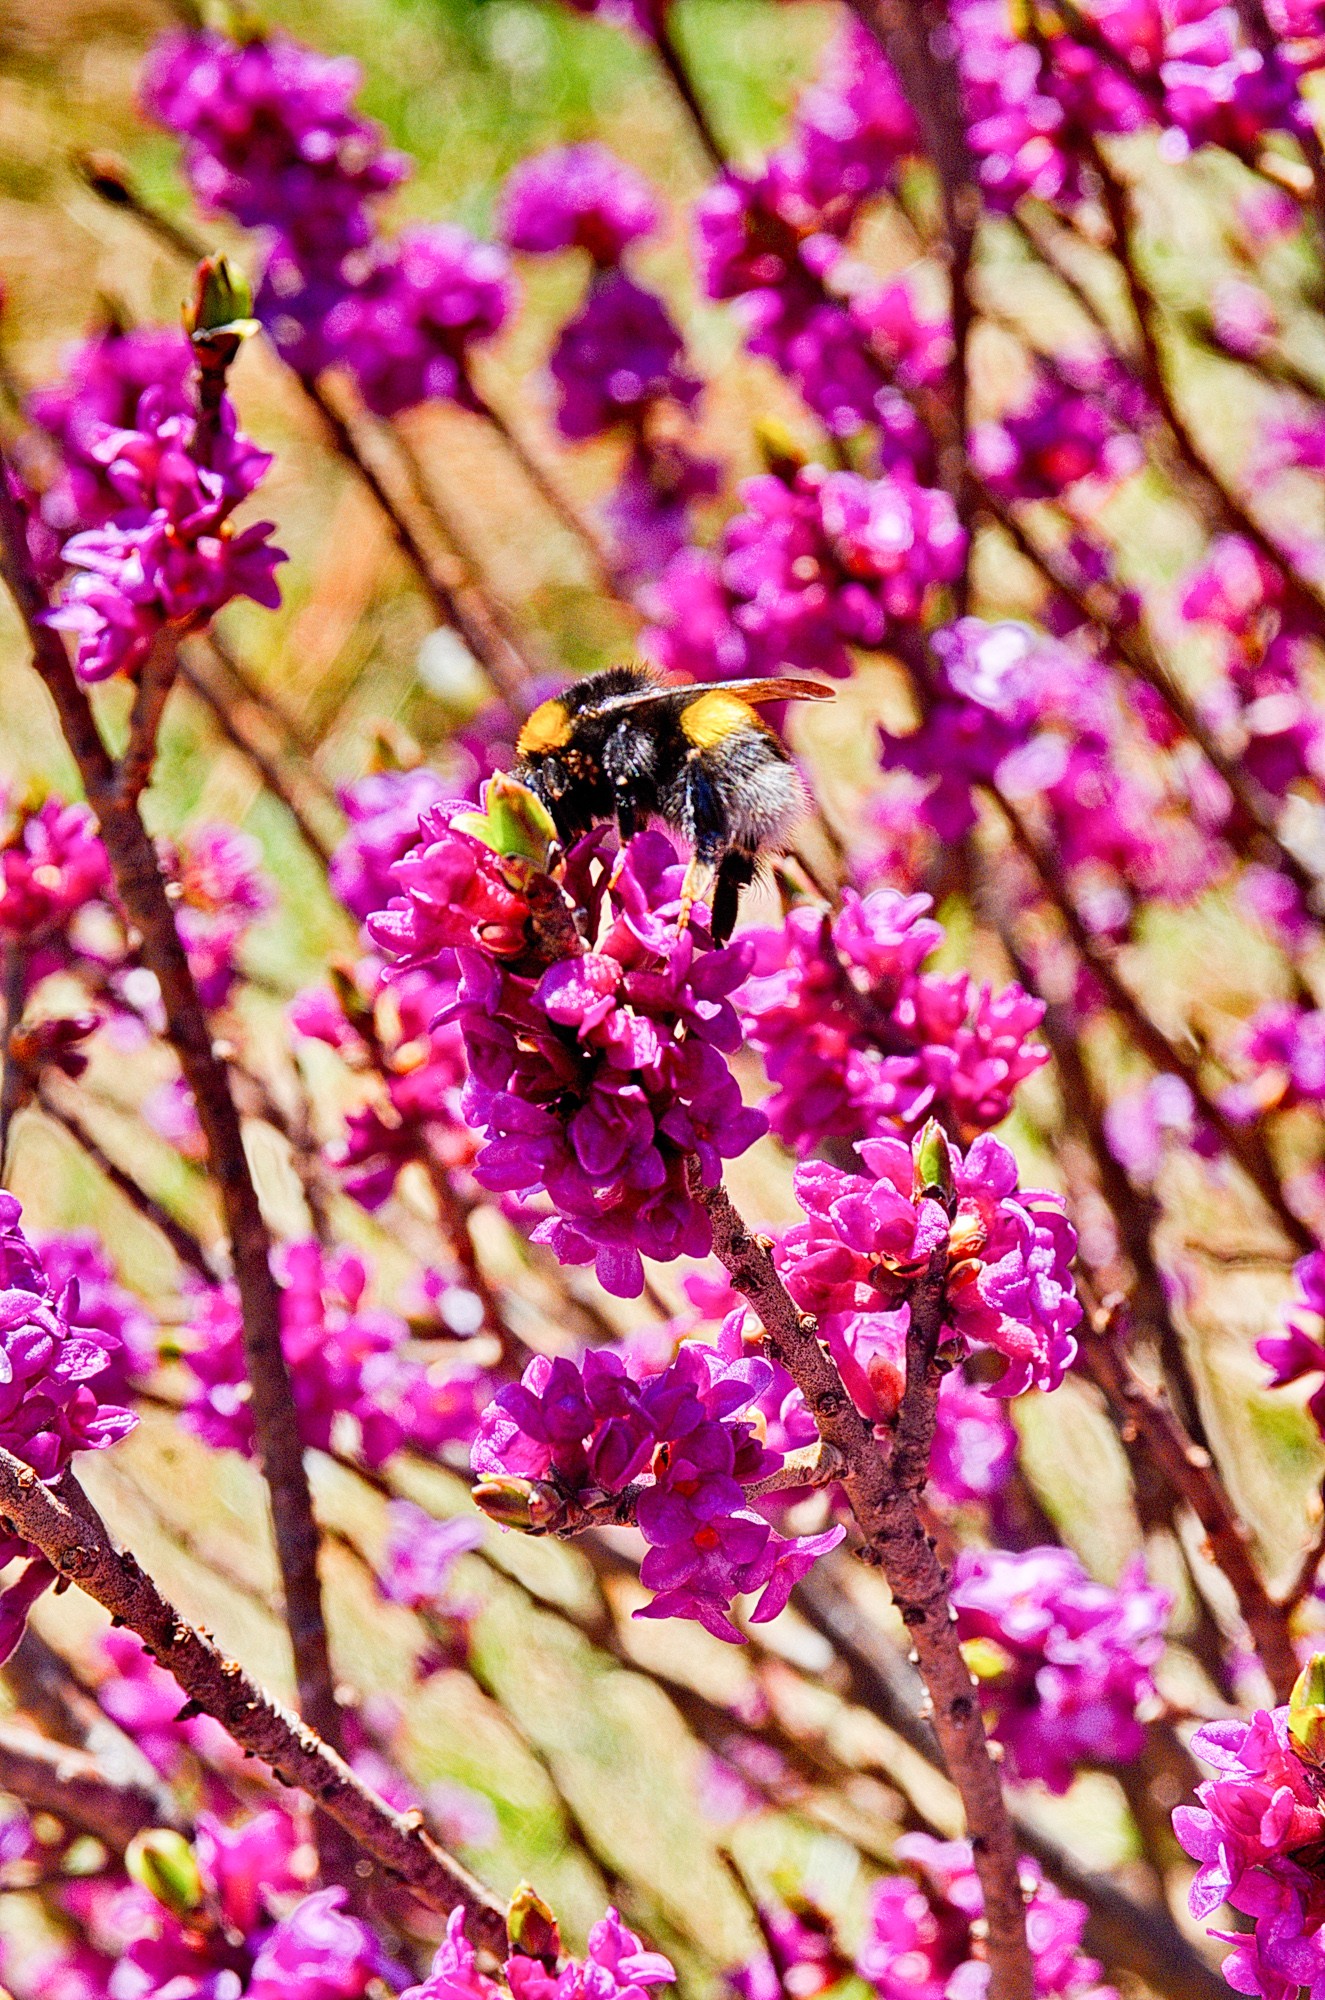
x=594, y=1077
x=1260, y=706
x=168, y=557
x=618, y=365
x=616, y=1966
x=772, y=240
x=869, y=1235
x=52, y=866
x=577, y=197
x=921, y=1945
x=103, y=382
x=56, y=1383
x=859, y=1041
x=1065, y=1664
x=1193, y=70
x=589, y=1430
x=272, y=138
x=1255, y=1834
x=1047, y=725
x=809, y=569
x=349, y=1364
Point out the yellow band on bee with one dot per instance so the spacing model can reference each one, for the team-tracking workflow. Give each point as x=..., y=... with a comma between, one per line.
x=548, y=728
x=711, y=718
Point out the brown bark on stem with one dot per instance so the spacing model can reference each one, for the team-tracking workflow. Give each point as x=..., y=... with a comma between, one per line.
x=57, y=1778
x=65, y=1526
x=883, y=1487
x=142, y=891
x=1193, y=1476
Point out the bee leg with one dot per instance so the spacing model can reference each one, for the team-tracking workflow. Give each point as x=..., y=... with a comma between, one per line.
x=627, y=821
x=704, y=825
x=735, y=872
x=698, y=876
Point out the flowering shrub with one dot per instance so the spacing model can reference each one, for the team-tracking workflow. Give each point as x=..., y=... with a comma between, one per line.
x=412, y=1174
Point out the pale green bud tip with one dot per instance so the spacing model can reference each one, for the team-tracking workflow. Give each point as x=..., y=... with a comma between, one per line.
x=511, y=1502
x=162, y=1862
x=933, y=1162
x=222, y=301
x=513, y=821
x=532, y=1926
x=1306, y=1710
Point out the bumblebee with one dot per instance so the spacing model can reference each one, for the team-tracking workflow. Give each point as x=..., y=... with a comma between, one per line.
x=622, y=746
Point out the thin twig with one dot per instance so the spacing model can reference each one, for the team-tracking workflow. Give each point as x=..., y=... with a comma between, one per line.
x=56, y=1778
x=14, y=1084
x=182, y=1241
x=1193, y=1476
x=155, y=679
x=605, y=571
x=678, y=75
x=1242, y=1144
x=142, y=890
x=229, y=721
x=65, y=1526
x=919, y=42
x=1120, y=205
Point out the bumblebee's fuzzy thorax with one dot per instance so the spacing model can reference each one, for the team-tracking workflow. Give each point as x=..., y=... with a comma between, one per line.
x=620, y=745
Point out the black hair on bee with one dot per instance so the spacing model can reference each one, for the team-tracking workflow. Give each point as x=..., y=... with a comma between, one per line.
x=621, y=745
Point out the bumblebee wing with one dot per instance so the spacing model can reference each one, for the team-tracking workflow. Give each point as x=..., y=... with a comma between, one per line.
x=781, y=687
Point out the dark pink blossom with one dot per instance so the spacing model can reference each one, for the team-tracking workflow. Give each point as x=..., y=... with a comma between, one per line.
x=1064, y=1663
x=103, y=383
x=807, y=570
x=859, y=1041
x=920, y=1944
x=169, y=555
x=271, y=136
x=348, y=1362
x=620, y=353
x=1255, y=1834
x=683, y=1438
x=594, y=1078
x=1009, y=1283
x=579, y=197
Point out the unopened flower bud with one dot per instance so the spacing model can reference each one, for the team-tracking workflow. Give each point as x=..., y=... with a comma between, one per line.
x=933, y=1163
x=778, y=447
x=986, y=1659
x=1306, y=1710
x=222, y=302
x=162, y=1862
x=533, y=1928
x=512, y=1503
